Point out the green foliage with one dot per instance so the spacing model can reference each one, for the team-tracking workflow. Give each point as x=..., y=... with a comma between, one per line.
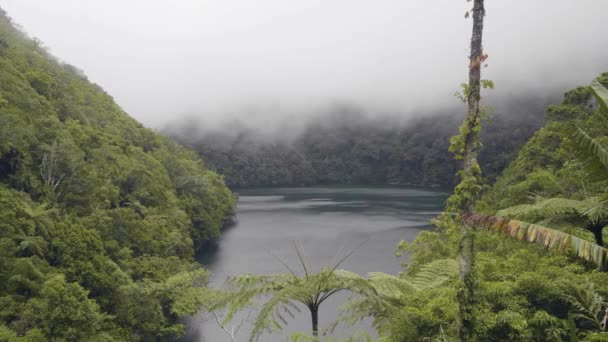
x=392, y=293
x=550, y=238
x=429, y=246
x=590, y=214
x=433, y=274
x=283, y=293
x=523, y=294
x=346, y=146
x=100, y=217
x=563, y=159
x=589, y=306
x=62, y=311
x=592, y=153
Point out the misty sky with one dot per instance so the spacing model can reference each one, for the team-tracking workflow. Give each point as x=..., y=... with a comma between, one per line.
x=161, y=59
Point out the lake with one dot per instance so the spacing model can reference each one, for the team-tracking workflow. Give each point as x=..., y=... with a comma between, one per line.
x=328, y=222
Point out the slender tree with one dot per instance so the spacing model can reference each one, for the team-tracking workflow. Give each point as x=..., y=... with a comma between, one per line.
x=466, y=146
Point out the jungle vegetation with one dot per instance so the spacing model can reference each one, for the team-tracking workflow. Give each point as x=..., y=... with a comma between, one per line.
x=100, y=217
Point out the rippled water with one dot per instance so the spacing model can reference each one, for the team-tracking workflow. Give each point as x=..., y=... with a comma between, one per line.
x=329, y=222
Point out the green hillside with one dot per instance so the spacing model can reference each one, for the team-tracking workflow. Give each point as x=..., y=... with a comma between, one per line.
x=99, y=217
x=347, y=146
x=547, y=165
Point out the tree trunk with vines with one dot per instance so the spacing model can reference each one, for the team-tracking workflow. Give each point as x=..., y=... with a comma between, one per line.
x=471, y=168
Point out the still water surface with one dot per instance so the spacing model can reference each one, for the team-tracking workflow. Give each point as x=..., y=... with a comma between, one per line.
x=328, y=221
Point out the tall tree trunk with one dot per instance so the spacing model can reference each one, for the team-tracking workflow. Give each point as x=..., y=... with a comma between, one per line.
x=314, y=314
x=466, y=248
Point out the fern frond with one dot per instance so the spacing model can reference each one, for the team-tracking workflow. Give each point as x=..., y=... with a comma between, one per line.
x=601, y=94
x=591, y=153
x=391, y=292
x=588, y=213
x=589, y=305
x=391, y=286
x=434, y=274
x=270, y=318
x=542, y=209
x=550, y=238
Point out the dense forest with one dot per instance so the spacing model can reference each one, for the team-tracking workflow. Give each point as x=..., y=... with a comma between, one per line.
x=548, y=165
x=346, y=145
x=100, y=217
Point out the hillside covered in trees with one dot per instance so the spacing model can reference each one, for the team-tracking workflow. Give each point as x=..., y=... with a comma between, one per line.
x=549, y=164
x=347, y=146
x=100, y=217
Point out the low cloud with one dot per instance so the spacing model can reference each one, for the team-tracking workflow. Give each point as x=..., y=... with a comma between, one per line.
x=276, y=61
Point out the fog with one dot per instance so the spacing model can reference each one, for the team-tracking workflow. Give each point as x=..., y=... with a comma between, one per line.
x=282, y=61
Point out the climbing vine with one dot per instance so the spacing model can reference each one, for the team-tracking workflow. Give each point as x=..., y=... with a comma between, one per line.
x=465, y=146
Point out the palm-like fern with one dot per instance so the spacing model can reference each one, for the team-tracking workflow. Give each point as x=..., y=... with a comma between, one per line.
x=286, y=291
x=41, y=216
x=590, y=213
x=31, y=245
x=430, y=275
x=589, y=306
x=592, y=309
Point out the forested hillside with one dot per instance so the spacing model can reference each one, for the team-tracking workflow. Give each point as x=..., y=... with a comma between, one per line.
x=549, y=165
x=346, y=146
x=99, y=217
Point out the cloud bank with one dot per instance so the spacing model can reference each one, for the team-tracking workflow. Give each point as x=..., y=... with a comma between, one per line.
x=277, y=60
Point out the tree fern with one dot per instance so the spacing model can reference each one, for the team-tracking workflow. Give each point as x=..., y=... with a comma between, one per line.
x=41, y=216
x=590, y=214
x=31, y=245
x=285, y=293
